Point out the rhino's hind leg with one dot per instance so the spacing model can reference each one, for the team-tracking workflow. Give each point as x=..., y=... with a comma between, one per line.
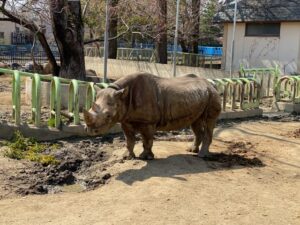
x=198, y=131
x=130, y=139
x=147, y=135
x=207, y=139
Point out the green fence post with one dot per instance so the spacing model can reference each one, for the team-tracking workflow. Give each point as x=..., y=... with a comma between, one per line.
x=73, y=104
x=36, y=100
x=55, y=101
x=277, y=74
x=90, y=95
x=16, y=97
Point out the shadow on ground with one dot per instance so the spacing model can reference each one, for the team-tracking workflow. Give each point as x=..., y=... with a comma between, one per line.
x=181, y=164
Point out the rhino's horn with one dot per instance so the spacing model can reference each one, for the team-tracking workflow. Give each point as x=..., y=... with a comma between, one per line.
x=95, y=107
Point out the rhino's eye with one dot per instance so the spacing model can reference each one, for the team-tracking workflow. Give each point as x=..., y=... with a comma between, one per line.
x=107, y=115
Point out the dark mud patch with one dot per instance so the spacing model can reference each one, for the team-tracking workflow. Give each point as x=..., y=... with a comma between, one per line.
x=237, y=154
x=83, y=163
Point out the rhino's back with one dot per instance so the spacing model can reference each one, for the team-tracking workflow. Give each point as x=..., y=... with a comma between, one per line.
x=183, y=100
x=169, y=103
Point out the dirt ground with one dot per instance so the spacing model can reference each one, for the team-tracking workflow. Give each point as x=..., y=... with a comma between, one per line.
x=255, y=181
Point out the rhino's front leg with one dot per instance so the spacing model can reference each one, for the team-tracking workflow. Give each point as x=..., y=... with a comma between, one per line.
x=147, y=133
x=130, y=139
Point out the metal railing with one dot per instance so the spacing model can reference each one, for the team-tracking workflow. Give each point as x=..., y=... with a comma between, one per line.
x=55, y=97
x=238, y=93
x=288, y=89
x=23, y=54
x=267, y=77
x=149, y=55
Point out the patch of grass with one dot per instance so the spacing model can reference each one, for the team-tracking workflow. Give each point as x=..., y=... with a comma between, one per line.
x=28, y=148
x=51, y=122
x=55, y=146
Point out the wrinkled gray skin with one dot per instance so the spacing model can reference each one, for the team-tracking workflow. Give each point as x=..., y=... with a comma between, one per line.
x=145, y=103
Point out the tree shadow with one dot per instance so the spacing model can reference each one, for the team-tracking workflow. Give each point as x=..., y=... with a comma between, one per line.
x=182, y=164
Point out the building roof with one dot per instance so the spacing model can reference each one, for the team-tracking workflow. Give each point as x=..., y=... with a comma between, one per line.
x=259, y=11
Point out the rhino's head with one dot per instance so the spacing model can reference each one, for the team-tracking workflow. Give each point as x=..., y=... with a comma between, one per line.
x=106, y=111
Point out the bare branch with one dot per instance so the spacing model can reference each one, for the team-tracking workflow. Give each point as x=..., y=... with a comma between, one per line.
x=85, y=8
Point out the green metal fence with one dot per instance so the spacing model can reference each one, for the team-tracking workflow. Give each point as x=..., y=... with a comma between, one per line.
x=267, y=77
x=288, y=89
x=55, y=97
x=236, y=94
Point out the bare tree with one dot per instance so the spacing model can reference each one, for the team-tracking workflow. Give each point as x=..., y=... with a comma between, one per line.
x=68, y=31
x=162, y=40
x=26, y=14
x=113, y=29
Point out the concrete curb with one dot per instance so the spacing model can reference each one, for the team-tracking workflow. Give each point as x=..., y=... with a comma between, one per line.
x=7, y=130
x=47, y=134
x=286, y=107
x=241, y=114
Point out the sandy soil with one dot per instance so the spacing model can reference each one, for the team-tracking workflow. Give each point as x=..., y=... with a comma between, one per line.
x=179, y=188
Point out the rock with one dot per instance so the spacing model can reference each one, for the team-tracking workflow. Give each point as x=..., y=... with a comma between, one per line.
x=47, y=68
x=30, y=67
x=106, y=176
x=16, y=66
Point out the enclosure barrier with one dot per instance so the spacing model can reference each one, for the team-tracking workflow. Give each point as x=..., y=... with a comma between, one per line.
x=238, y=93
x=55, y=97
x=267, y=77
x=149, y=55
x=288, y=89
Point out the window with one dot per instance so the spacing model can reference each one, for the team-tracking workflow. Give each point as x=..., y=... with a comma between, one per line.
x=1, y=35
x=263, y=29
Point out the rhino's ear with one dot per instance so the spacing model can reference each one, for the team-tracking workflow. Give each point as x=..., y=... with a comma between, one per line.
x=95, y=107
x=88, y=117
x=122, y=93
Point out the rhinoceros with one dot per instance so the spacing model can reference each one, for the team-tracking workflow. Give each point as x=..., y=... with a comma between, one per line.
x=145, y=103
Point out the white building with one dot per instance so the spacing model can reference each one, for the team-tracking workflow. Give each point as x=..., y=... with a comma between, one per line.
x=12, y=33
x=6, y=30
x=267, y=33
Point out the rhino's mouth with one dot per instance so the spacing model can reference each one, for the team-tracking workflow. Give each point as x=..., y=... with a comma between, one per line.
x=93, y=131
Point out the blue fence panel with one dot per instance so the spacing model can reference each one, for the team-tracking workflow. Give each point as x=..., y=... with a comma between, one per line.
x=210, y=51
x=202, y=50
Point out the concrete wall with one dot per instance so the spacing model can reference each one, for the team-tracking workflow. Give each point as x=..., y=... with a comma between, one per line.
x=264, y=51
x=119, y=68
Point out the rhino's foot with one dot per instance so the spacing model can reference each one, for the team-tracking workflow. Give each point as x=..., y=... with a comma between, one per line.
x=193, y=149
x=203, y=154
x=146, y=155
x=129, y=156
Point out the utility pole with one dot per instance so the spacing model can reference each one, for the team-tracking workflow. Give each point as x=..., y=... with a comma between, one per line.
x=106, y=40
x=176, y=39
x=233, y=37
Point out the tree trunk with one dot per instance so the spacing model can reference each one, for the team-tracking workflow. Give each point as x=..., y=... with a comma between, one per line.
x=183, y=45
x=195, y=30
x=69, y=33
x=196, y=23
x=113, y=29
x=161, y=40
x=50, y=56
